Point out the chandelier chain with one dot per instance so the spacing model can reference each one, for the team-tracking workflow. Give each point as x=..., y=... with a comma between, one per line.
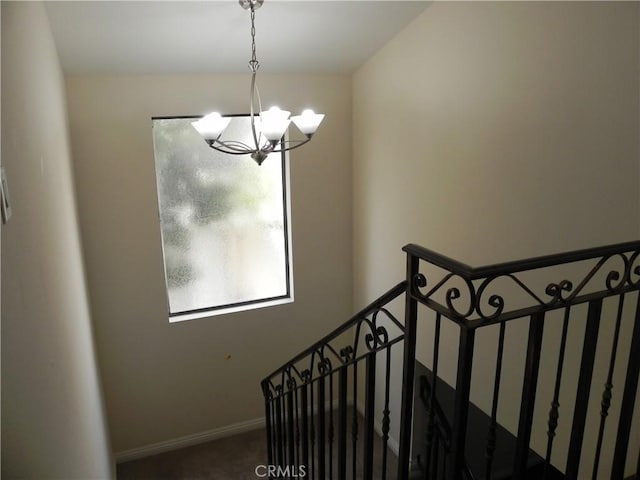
x=253, y=64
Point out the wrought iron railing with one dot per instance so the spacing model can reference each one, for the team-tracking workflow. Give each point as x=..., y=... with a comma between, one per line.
x=330, y=411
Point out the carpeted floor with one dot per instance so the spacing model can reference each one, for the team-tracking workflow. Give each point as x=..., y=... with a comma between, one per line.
x=232, y=458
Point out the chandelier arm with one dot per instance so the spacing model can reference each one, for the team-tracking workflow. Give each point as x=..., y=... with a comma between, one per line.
x=232, y=146
x=286, y=149
x=254, y=88
x=235, y=145
x=228, y=151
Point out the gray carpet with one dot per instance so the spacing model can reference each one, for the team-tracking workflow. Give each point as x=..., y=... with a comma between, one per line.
x=232, y=458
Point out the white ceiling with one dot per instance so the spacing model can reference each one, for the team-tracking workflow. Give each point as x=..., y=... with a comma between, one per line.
x=214, y=36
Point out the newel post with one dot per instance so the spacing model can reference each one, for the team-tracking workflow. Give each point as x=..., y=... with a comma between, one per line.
x=408, y=370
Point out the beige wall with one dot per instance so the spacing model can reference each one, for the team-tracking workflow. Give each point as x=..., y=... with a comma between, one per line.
x=52, y=416
x=165, y=381
x=496, y=131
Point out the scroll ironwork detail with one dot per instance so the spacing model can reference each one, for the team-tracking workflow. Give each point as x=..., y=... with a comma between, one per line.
x=472, y=297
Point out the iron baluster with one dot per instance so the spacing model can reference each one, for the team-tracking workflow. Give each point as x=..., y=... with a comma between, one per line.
x=534, y=347
x=342, y=423
x=305, y=424
x=491, y=436
x=290, y=430
x=461, y=404
x=297, y=433
x=269, y=425
x=432, y=400
x=279, y=439
x=608, y=386
x=331, y=432
x=369, y=413
x=386, y=420
x=584, y=388
x=312, y=433
x=554, y=413
x=321, y=428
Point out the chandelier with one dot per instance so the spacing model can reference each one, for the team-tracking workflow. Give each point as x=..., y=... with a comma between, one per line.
x=268, y=127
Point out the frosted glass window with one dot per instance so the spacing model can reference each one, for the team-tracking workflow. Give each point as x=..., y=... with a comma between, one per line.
x=224, y=222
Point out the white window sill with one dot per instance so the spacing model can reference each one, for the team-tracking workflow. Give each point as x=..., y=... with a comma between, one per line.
x=233, y=309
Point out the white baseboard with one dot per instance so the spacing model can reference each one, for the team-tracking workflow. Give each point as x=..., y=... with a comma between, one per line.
x=189, y=440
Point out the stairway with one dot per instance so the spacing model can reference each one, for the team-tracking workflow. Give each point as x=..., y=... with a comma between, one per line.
x=478, y=424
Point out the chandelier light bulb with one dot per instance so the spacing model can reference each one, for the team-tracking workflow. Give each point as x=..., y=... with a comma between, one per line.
x=308, y=122
x=274, y=122
x=211, y=126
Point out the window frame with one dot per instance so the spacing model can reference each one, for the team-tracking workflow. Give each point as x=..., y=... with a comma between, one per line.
x=205, y=312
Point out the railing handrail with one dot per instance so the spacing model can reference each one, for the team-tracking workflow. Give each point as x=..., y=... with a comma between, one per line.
x=381, y=301
x=473, y=273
